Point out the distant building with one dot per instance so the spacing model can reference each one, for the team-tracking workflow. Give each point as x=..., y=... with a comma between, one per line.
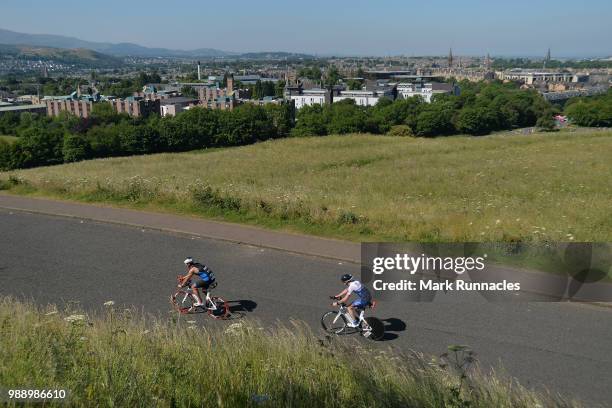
x=40, y=109
x=252, y=79
x=76, y=107
x=173, y=106
x=220, y=102
x=307, y=97
x=529, y=77
x=212, y=96
x=365, y=97
x=136, y=107
x=426, y=90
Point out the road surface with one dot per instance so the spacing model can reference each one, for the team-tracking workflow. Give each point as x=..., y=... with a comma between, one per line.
x=566, y=348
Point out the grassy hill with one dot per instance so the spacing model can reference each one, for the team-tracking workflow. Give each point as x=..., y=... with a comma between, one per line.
x=77, y=56
x=502, y=187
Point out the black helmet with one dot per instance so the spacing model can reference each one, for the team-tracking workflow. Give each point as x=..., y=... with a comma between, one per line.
x=346, y=277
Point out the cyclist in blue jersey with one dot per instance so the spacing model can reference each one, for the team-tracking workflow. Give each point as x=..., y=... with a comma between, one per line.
x=201, y=277
x=364, y=298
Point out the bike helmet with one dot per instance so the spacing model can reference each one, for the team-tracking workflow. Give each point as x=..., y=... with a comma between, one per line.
x=189, y=260
x=346, y=277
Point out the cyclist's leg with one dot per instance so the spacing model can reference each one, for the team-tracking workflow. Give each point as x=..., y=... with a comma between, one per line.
x=195, y=284
x=355, y=308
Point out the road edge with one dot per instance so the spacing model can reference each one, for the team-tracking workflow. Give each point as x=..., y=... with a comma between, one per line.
x=181, y=224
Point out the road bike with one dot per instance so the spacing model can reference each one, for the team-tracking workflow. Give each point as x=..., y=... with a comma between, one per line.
x=337, y=322
x=183, y=301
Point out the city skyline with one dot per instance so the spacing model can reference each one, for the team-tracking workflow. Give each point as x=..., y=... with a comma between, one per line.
x=343, y=28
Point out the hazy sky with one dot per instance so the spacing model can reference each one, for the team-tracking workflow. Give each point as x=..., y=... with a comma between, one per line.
x=375, y=27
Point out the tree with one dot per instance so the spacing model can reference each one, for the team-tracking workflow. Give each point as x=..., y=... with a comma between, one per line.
x=434, y=121
x=189, y=92
x=310, y=121
x=546, y=123
x=332, y=76
x=75, y=148
x=476, y=121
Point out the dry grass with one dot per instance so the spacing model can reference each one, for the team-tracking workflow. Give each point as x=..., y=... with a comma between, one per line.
x=537, y=187
x=122, y=359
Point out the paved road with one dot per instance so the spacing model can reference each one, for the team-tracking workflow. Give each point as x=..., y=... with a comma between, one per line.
x=565, y=347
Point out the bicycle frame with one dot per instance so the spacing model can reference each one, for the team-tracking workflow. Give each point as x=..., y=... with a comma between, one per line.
x=207, y=304
x=344, y=310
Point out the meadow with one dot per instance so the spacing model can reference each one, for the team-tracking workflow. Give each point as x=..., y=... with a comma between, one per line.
x=505, y=187
x=117, y=357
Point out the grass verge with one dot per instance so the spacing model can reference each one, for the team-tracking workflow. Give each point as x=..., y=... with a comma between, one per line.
x=122, y=359
x=540, y=187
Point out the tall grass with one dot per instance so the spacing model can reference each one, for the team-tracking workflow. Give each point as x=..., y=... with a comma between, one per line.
x=503, y=187
x=126, y=360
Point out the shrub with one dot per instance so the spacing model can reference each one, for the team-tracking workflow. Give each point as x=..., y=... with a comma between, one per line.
x=400, y=130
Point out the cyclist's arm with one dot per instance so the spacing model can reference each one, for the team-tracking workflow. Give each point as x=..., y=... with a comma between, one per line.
x=345, y=298
x=187, y=277
x=342, y=294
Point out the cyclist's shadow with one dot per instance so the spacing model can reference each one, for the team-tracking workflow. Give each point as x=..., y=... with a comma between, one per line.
x=239, y=308
x=392, y=326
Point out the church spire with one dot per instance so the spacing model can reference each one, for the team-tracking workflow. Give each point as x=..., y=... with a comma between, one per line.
x=450, y=58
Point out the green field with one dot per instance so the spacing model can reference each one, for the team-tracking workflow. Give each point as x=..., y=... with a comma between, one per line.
x=121, y=358
x=555, y=186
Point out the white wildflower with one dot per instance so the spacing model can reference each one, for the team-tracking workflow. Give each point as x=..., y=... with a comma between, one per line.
x=233, y=328
x=109, y=303
x=75, y=318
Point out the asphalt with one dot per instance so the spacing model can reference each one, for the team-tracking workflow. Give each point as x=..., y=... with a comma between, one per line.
x=561, y=347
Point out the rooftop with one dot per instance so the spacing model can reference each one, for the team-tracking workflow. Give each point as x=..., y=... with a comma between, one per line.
x=21, y=107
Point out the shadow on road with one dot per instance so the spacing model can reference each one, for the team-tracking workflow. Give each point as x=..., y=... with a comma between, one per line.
x=241, y=305
x=392, y=326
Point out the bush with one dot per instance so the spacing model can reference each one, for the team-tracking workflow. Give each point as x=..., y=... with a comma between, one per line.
x=75, y=148
x=400, y=130
x=546, y=123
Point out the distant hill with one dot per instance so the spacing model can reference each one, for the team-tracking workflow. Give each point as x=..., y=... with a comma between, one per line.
x=122, y=49
x=275, y=55
x=76, y=56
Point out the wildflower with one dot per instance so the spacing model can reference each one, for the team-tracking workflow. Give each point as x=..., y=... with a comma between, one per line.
x=75, y=318
x=146, y=332
x=109, y=303
x=83, y=338
x=498, y=221
x=233, y=328
x=51, y=313
x=191, y=321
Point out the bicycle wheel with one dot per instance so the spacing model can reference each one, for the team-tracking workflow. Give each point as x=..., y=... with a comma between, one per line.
x=376, y=328
x=182, y=300
x=332, y=323
x=219, y=309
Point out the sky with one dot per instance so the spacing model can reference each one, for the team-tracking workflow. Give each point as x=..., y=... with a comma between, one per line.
x=328, y=27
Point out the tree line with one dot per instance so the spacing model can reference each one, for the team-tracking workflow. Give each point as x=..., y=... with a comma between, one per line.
x=67, y=138
x=480, y=109
x=591, y=111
